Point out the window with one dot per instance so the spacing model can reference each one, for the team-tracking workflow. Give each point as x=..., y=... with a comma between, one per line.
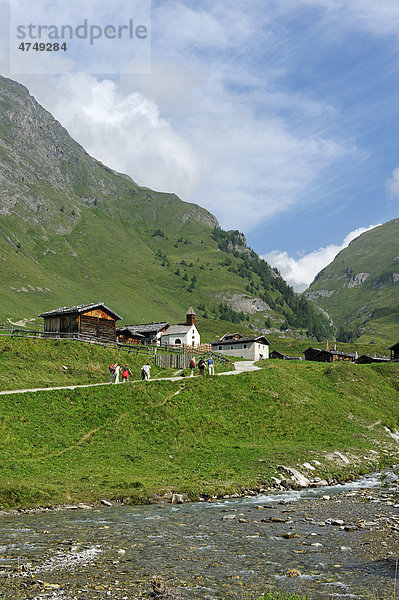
x=245, y=345
x=220, y=347
x=177, y=341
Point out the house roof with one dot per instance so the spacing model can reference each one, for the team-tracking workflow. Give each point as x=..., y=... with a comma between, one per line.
x=229, y=336
x=311, y=348
x=191, y=311
x=178, y=329
x=67, y=310
x=146, y=328
x=241, y=341
x=129, y=330
x=394, y=346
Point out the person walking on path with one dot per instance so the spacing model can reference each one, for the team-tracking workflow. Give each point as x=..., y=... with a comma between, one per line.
x=146, y=371
x=201, y=366
x=211, y=366
x=125, y=374
x=112, y=372
x=117, y=371
x=192, y=366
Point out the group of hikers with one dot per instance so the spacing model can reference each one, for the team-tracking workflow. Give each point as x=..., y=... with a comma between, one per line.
x=115, y=370
x=202, y=365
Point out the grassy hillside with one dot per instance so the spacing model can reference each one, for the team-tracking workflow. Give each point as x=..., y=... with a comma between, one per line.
x=216, y=435
x=74, y=231
x=35, y=363
x=360, y=288
x=31, y=363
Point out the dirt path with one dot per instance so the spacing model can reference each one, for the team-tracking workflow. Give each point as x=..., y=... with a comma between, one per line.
x=244, y=366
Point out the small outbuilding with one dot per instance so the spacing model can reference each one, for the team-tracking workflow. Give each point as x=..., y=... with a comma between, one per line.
x=145, y=333
x=330, y=356
x=311, y=353
x=367, y=359
x=394, y=351
x=281, y=356
x=95, y=321
x=253, y=348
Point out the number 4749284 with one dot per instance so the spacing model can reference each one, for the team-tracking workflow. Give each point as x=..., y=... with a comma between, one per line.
x=42, y=46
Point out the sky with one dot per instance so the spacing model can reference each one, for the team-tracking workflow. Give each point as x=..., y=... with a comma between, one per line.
x=279, y=116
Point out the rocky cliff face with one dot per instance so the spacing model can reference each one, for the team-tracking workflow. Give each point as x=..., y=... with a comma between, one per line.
x=45, y=176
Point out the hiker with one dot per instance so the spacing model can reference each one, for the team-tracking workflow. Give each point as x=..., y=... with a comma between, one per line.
x=145, y=372
x=117, y=371
x=112, y=371
x=211, y=366
x=125, y=374
x=201, y=366
x=192, y=366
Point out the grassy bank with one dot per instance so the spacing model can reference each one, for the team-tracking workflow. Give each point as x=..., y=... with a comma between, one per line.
x=30, y=363
x=215, y=435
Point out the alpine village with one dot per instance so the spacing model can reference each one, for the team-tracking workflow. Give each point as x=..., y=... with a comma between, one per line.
x=176, y=421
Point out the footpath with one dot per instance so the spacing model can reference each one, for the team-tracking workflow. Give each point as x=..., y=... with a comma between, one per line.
x=244, y=366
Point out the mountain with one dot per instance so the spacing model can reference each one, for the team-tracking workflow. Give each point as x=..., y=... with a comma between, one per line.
x=74, y=231
x=360, y=288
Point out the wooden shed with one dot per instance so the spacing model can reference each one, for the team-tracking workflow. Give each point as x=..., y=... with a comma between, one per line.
x=330, y=356
x=312, y=353
x=146, y=333
x=95, y=321
x=395, y=351
x=367, y=359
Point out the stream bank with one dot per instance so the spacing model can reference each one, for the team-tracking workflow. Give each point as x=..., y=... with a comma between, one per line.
x=327, y=542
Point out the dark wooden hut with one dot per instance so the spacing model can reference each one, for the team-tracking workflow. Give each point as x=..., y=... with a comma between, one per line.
x=312, y=353
x=330, y=356
x=281, y=356
x=145, y=333
x=395, y=351
x=95, y=321
x=367, y=359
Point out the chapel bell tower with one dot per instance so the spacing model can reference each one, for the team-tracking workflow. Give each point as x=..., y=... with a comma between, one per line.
x=190, y=316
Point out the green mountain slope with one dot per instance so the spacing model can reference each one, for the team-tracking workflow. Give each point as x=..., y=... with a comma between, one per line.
x=360, y=288
x=73, y=231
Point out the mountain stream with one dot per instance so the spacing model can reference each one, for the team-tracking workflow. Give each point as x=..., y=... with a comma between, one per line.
x=330, y=543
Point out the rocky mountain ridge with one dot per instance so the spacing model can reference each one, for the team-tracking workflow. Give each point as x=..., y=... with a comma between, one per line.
x=360, y=288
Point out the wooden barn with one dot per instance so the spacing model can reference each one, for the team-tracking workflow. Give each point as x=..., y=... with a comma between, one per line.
x=395, y=351
x=95, y=321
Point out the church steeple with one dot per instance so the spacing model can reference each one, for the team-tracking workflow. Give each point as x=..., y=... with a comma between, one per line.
x=190, y=316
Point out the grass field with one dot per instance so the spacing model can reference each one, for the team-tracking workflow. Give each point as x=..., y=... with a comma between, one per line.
x=214, y=435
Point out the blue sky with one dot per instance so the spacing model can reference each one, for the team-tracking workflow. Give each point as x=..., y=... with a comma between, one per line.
x=280, y=117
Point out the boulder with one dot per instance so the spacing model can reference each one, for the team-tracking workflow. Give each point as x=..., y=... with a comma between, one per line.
x=299, y=479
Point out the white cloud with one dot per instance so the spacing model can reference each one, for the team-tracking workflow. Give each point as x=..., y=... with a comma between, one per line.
x=123, y=130
x=393, y=183
x=300, y=272
x=217, y=121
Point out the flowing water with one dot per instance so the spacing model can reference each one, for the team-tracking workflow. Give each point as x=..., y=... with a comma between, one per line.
x=342, y=547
